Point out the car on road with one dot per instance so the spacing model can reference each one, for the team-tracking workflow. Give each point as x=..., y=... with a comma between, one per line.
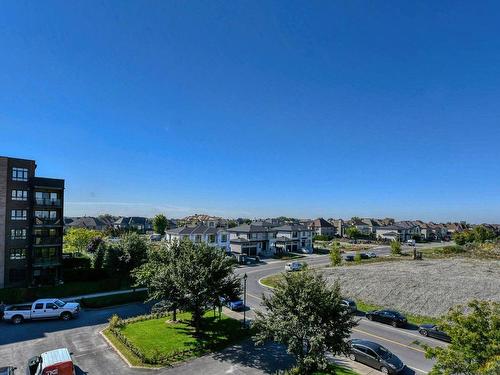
x=391, y=317
x=376, y=356
x=42, y=309
x=54, y=362
x=432, y=330
x=350, y=305
x=235, y=305
x=364, y=256
x=9, y=370
x=371, y=254
x=349, y=258
x=411, y=242
x=293, y=266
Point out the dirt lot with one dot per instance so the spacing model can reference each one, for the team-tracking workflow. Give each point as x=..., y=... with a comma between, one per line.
x=428, y=287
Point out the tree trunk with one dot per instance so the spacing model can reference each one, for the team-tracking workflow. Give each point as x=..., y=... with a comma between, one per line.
x=174, y=314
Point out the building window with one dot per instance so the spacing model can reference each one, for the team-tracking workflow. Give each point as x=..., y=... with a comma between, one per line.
x=46, y=214
x=18, y=234
x=211, y=238
x=224, y=238
x=45, y=253
x=197, y=238
x=16, y=275
x=18, y=214
x=294, y=234
x=19, y=174
x=19, y=195
x=17, y=254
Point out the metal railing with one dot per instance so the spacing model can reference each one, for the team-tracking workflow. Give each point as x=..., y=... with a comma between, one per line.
x=47, y=221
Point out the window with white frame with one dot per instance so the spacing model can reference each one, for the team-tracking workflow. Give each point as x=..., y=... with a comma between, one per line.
x=19, y=195
x=18, y=234
x=18, y=214
x=19, y=174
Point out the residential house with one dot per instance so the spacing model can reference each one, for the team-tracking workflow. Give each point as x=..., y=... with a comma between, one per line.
x=321, y=227
x=217, y=237
x=208, y=220
x=87, y=222
x=364, y=228
x=292, y=237
x=339, y=226
x=400, y=231
x=140, y=224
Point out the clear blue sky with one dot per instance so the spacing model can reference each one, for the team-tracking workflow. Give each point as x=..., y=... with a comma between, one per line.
x=258, y=108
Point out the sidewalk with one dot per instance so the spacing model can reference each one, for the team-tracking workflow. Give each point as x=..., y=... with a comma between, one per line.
x=102, y=294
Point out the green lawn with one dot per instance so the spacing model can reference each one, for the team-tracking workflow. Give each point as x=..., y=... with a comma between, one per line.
x=288, y=256
x=176, y=341
x=272, y=280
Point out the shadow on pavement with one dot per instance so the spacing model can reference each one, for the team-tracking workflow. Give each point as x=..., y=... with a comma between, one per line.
x=268, y=358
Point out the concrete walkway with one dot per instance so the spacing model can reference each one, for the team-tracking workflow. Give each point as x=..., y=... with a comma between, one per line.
x=102, y=294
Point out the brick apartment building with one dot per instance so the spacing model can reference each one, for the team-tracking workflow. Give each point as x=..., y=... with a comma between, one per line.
x=31, y=225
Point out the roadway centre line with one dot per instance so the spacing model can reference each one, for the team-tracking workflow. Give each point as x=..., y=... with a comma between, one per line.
x=389, y=340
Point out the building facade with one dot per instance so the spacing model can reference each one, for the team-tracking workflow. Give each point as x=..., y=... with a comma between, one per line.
x=321, y=227
x=217, y=237
x=31, y=225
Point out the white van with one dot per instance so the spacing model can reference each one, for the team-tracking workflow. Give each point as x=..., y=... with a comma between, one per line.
x=293, y=266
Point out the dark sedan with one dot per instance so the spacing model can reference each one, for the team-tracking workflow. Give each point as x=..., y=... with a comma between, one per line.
x=375, y=355
x=433, y=330
x=391, y=317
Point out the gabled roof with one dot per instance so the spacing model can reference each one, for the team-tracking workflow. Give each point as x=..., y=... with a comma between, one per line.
x=189, y=230
x=248, y=228
x=290, y=228
x=320, y=223
x=86, y=222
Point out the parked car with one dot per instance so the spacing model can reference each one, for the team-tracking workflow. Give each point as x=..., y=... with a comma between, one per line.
x=364, y=256
x=411, y=242
x=350, y=305
x=371, y=254
x=54, y=362
x=42, y=309
x=433, y=330
x=349, y=258
x=375, y=355
x=293, y=266
x=235, y=305
x=9, y=370
x=388, y=317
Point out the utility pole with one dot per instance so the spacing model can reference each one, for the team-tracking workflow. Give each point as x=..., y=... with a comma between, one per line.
x=245, y=300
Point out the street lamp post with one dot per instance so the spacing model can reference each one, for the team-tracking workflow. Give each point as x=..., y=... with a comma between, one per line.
x=245, y=300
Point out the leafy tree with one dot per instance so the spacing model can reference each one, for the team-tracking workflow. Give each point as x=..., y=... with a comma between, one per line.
x=197, y=274
x=335, y=257
x=395, y=247
x=355, y=219
x=475, y=341
x=353, y=232
x=160, y=223
x=134, y=251
x=232, y=223
x=305, y=314
x=112, y=259
x=482, y=234
x=357, y=257
x=76, y=240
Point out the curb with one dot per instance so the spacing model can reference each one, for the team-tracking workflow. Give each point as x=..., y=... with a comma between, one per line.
x=264, y=285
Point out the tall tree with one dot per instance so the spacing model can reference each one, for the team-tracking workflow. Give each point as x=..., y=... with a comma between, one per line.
x=134, y=251
x=395, y=247
x=76, y=240
x=475, y=341
x=305, y=314
x=191, y=276
x=335, y=257
x=353, y=232
x=160, y=223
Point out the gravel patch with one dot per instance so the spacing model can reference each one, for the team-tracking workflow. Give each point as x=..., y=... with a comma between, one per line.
x=427, y=287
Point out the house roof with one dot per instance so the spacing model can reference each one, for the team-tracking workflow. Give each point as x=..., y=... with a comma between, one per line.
x=197, y=229
x=290, y=228
x=391, y=234
x=248, y=228
x=86, y=222
x=320, y=223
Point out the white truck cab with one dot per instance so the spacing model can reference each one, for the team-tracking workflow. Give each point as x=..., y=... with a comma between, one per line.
x=52, y=308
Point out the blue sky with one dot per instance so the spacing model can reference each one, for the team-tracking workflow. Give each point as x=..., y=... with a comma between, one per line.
x=258, y=108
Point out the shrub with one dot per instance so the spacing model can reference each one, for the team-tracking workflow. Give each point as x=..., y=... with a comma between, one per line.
x=322, y=237
x=395, y=248
x=115, y=322
x=335, y=257
x=357, y=257
x=454, y=249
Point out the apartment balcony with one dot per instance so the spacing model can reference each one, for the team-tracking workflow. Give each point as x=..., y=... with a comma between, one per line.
x=46, y=262
x=46, y=222
x=47, y=241
x=47, y=202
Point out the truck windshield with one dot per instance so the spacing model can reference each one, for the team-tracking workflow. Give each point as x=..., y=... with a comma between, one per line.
x=59, y=303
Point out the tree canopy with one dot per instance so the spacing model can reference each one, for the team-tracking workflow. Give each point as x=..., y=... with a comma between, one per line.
x=160, y=223
x=76, y=240
x=475, y=341
x=192, y=277
x=305, y=314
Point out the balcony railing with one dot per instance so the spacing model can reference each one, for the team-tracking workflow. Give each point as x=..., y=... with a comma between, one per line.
x=53, y=261
x=41, y=241
x=48, y=202
x=47, y=221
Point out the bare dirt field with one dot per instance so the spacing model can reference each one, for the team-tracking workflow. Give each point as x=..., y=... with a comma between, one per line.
x=428, y=287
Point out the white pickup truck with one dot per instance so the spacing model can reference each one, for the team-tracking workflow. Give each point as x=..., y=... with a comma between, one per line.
x=42, y=309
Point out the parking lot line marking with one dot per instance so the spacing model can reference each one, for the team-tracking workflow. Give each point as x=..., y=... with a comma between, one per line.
x=389, y=340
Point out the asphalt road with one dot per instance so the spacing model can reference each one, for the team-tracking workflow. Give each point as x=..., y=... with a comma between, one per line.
x=401, y=342
x=93, y=355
